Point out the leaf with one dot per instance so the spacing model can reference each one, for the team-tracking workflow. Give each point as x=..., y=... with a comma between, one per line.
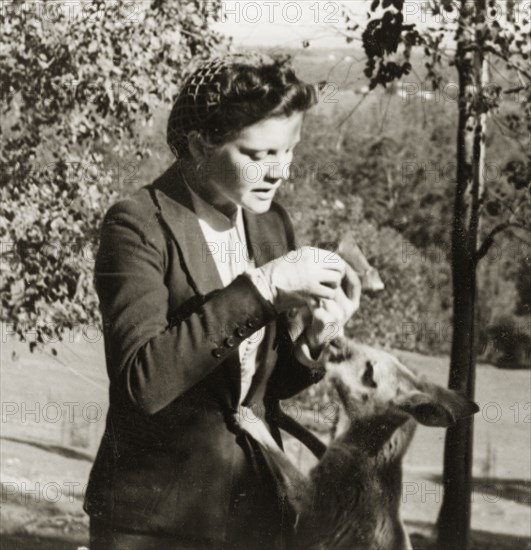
x=375, y=4
x=448, y=5
x=493, y=208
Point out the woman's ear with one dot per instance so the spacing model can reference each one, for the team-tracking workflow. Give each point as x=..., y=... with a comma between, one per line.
x=198, y=147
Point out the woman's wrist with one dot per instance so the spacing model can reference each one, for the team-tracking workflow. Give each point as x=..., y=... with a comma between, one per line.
x=262, y=278
x=258, y=277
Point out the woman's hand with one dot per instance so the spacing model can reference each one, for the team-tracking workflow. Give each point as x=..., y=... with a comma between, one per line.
x=330, y=316
x=304, y=274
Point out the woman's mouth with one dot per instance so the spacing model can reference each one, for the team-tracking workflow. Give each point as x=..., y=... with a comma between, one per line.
x=265, y=193
x=268, y=191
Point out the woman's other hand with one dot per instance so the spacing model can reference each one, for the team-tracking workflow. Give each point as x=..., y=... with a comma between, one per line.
x=331, y=315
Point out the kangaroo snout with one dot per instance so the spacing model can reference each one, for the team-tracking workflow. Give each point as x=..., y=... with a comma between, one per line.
x=371, y=381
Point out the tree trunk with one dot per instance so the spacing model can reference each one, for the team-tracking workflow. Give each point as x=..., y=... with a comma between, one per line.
x=455, y=514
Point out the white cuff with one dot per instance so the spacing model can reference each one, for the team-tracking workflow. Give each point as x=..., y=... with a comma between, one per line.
x=260, y=281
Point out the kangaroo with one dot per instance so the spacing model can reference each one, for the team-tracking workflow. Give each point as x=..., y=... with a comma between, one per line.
x=351, y=498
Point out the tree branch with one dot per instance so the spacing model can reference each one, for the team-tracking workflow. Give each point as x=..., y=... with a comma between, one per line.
x=346, y=34
x=511, y=64
x=384, y=118
x=502, y=126
x=354, y=109
x=489, y=239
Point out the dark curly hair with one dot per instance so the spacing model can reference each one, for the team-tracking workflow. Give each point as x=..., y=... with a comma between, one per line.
x=224, y=95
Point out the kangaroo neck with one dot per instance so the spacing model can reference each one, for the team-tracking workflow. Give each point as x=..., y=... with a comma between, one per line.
x=369, y=435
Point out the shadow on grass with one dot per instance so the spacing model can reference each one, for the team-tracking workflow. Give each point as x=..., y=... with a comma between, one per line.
x=423, y=538
x=515, y=490
x=56, y=449
x=29, y=542
x=481, y=540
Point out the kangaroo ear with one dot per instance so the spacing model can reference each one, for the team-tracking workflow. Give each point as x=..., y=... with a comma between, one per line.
x=436, y=406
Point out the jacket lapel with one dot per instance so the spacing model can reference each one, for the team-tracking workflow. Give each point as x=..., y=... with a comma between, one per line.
x=264, y=237
x=177, y=212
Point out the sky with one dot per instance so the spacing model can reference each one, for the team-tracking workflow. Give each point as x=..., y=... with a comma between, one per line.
x=286, y=23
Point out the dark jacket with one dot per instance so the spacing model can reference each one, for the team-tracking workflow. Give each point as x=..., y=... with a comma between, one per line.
x=173, y=460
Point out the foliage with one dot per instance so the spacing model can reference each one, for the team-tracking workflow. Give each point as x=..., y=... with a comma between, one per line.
x=75, y=85
x=398, y=154
x=382, y=38
x=510, y=342
x=388, y=44
x=398, y=172
x=323, y=206
x=419, y=206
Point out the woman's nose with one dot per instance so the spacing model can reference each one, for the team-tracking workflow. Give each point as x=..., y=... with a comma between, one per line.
x=278, y=168
x=274, y=172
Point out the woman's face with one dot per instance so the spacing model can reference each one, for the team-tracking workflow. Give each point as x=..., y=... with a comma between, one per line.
x=248, y=170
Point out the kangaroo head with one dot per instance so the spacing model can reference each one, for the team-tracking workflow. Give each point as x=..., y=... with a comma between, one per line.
x=373, y=383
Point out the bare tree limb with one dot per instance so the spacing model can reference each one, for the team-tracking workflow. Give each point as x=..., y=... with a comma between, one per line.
x=489, y=239
x=354, y=109
x=384, y=118
x=502, y=126
x=511, y=64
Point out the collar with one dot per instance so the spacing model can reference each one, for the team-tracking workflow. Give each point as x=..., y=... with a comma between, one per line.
x=210, y=214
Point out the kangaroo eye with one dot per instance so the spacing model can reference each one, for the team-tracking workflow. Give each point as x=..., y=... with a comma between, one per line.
x=368, y=375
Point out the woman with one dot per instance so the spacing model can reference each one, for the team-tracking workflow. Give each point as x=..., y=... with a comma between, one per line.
x=195, y=289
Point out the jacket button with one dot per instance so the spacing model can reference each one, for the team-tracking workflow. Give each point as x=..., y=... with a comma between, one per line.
x=230, y=342
x=217, y=352
x=241, y=332
x=251, y=323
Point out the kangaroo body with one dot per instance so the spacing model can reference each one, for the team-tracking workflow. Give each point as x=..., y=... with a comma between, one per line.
x=351, y=498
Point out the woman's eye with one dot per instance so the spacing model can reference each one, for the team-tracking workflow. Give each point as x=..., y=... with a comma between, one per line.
x=259, y=156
